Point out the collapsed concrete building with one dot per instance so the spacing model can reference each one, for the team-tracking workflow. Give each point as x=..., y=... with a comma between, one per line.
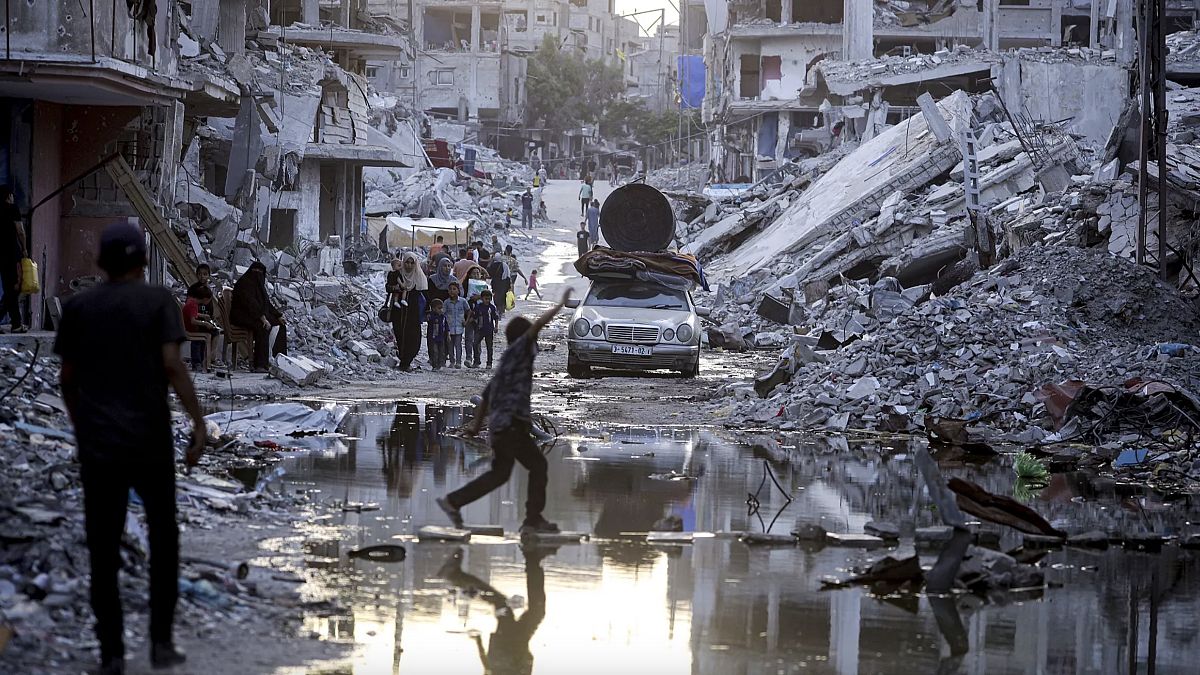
x=789, y=79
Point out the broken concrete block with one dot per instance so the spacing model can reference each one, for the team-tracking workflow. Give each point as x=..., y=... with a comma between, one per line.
x=295, y=371
x=326, y=291
x=1093, y=539
x=882, y=530
x=933, y=536
x=854, y=540
x=364, y=351
x=437, y=533
x=862, y=388
x=769, y=539
x=809, y=532
x=669, y=537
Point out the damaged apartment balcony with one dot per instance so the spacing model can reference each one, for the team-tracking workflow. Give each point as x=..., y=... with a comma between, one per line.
x=359, y=43
x=77, y=80
x=101, y=57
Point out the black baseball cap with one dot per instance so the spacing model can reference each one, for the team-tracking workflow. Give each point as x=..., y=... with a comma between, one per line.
x=122, y=248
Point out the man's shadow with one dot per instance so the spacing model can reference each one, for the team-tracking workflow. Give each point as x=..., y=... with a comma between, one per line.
x=508, y=651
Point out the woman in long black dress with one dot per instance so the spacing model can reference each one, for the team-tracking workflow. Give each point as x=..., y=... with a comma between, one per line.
x=407, y=286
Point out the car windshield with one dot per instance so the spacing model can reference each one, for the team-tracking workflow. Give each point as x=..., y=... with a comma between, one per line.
x=638, y=294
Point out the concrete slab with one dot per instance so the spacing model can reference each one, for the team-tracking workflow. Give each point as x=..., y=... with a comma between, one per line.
x=556, y=537
x=854, y=540
x=769, y=539
x=438, y=533
x=485, y=530
x=678, y=538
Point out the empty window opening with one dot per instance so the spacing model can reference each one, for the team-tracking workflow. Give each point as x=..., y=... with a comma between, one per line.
x=283, y=228
x=750, y=83
x=447, y=30
x=818, y=11
x=775, y=10
x=772, y=67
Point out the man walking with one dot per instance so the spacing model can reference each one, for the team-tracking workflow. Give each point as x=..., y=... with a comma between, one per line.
x=527, y=210
x=506, y=406
x=120, y=348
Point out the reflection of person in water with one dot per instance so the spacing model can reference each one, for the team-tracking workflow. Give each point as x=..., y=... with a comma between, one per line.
x=508, y=650
x=401, y=451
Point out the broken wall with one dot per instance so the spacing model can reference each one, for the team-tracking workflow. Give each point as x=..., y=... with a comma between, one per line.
x=782, y=64
x=1091, y=95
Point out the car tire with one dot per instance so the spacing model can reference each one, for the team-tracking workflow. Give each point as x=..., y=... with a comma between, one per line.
x=693, y=370
x=576, y=369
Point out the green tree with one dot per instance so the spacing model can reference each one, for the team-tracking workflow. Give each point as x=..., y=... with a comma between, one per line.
x=566, y=90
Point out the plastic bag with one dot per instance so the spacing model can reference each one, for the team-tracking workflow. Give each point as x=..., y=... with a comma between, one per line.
x=510, y=301
x=29, y=277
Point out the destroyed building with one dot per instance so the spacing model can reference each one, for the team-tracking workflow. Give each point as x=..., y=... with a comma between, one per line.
x=790, y=79
x=78, y=87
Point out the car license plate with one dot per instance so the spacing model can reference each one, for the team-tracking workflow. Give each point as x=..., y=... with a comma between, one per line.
x=633, y=350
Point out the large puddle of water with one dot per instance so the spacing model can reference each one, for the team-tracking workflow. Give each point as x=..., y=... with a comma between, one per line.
x=618, y=604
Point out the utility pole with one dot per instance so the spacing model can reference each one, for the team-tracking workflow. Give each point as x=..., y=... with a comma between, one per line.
x=1152, y=74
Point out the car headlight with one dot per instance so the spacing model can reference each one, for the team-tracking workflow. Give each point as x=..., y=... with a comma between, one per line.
x=581, y=327
x=597, y=330
x=684, y=333
x=668, y=335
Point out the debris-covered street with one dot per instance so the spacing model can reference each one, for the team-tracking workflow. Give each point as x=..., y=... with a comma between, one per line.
x=689, y=337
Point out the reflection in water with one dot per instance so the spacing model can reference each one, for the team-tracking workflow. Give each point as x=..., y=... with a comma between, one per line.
x=719, y=606
x=508, y=650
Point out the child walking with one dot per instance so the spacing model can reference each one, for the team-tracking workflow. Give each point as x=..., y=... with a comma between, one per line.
x=533, y=286
x=437, y=334
x=485, y=318
x=455, y=308
x=505, y=405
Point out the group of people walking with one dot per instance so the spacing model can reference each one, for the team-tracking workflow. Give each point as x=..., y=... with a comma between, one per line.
x=453, y=306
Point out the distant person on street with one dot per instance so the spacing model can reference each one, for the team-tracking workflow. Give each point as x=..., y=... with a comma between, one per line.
x=437, y=251
x=582, y=238
x=585, y=195
x=251, y=309
x=120, y=348
x=485, y=319
x=437, y=334
x=544, y=176
x=407, y=280
x=439, y=281
x=527, y=210
x=533, y=286
x=12, y=249
x=514, y=268
x=456, y=309
x=593, y=222
x=506, y=406
x=463, y=265
x=501, y=283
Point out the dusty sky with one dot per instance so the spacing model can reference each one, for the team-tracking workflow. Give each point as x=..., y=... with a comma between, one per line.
x=630, y=6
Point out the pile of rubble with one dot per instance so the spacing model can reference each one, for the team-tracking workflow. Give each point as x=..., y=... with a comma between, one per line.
x=689, y=177
x=43, y=561
x=881, y=358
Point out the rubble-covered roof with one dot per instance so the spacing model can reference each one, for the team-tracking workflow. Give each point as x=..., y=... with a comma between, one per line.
x=847, y=77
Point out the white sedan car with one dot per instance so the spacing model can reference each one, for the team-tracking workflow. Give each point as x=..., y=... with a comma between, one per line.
x=628, y=324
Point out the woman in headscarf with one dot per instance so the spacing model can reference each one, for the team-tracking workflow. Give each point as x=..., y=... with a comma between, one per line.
x=407, y=280
x=439, y=281
x=251, y=309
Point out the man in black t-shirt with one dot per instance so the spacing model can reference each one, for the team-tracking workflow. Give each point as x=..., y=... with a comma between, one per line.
x=120, y=348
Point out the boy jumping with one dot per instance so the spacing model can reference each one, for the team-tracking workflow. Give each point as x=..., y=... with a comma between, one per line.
x=506, y=406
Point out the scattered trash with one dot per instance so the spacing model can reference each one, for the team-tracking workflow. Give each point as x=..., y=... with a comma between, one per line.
x=385, y=553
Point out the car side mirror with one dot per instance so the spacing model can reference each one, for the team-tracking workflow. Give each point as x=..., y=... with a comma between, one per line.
x=573, y=303
x=703, y=311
